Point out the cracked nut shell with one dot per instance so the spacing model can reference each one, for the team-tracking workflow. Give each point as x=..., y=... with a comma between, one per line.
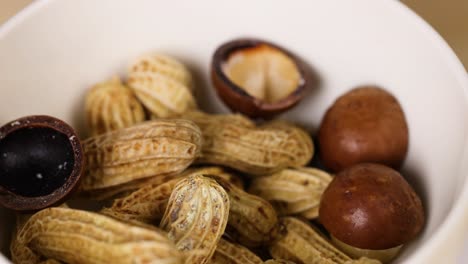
x=40, y=162
x=258, y=78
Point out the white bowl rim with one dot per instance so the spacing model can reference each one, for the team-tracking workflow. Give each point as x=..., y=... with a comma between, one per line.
x=454, y=222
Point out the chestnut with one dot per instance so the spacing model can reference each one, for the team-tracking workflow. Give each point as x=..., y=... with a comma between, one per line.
x=366, y=124
x=41, y=161
x=258, y=78
x=370, y=210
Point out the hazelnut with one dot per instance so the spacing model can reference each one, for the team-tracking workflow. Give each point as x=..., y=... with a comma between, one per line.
x=365, y=124
x=258, y=78
x=370, y=209
x=41, y=162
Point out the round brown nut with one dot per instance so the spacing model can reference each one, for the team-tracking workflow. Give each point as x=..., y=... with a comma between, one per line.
x=366, y=124
x=258, y=78
x=371, y=206
x=41, y=162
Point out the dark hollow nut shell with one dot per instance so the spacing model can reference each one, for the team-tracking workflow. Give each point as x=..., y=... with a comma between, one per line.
x=41, y=162
x=371, y=206
x=366, y=124
x=258, y=78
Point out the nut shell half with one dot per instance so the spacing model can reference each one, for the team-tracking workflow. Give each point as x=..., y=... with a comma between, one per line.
x=371, y=206
x=238, y=99
x=41, y=162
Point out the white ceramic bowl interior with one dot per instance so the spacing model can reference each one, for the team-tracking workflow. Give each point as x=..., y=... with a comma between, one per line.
x=54, y=50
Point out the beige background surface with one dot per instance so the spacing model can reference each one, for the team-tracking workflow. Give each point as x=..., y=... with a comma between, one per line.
x=448, y=17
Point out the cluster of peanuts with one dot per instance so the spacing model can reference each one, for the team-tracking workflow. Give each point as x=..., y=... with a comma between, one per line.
x=181, y=185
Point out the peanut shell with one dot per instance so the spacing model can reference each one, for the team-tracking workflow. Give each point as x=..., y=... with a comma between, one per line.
x=110, y=106
x=294, y=191
x=196, y=217
x=157, y=147
x=75, y=236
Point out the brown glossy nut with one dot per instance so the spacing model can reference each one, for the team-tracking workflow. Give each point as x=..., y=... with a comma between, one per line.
x=41, y=161
x=258, y=78
x=366, y=124
x=371, y=206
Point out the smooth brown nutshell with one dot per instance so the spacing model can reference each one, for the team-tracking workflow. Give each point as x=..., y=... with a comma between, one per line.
x=366, y=124
x=40, y=162
x=371, y=206
x=258, y=78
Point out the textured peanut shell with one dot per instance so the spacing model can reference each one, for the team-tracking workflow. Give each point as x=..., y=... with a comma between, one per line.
x=164, y=65
x=75, y=236
x=222, y=172
x=148, y=203
x=232, y=253
x=124, y=189
x=157, y=147
x=111, y=105
x=50, y=261
x=278, y=261
x=233, y=141
x=252, y=220
x=364, y=260
x=301, y=243
x=162, y=85
x=293, y=191
x=196, y=217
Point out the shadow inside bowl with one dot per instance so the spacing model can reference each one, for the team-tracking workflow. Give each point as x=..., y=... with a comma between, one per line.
x=415, y=179
x=8, y=218
x=204, y=91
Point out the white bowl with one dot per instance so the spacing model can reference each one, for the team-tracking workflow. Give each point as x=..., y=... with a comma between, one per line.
x=54, y=50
